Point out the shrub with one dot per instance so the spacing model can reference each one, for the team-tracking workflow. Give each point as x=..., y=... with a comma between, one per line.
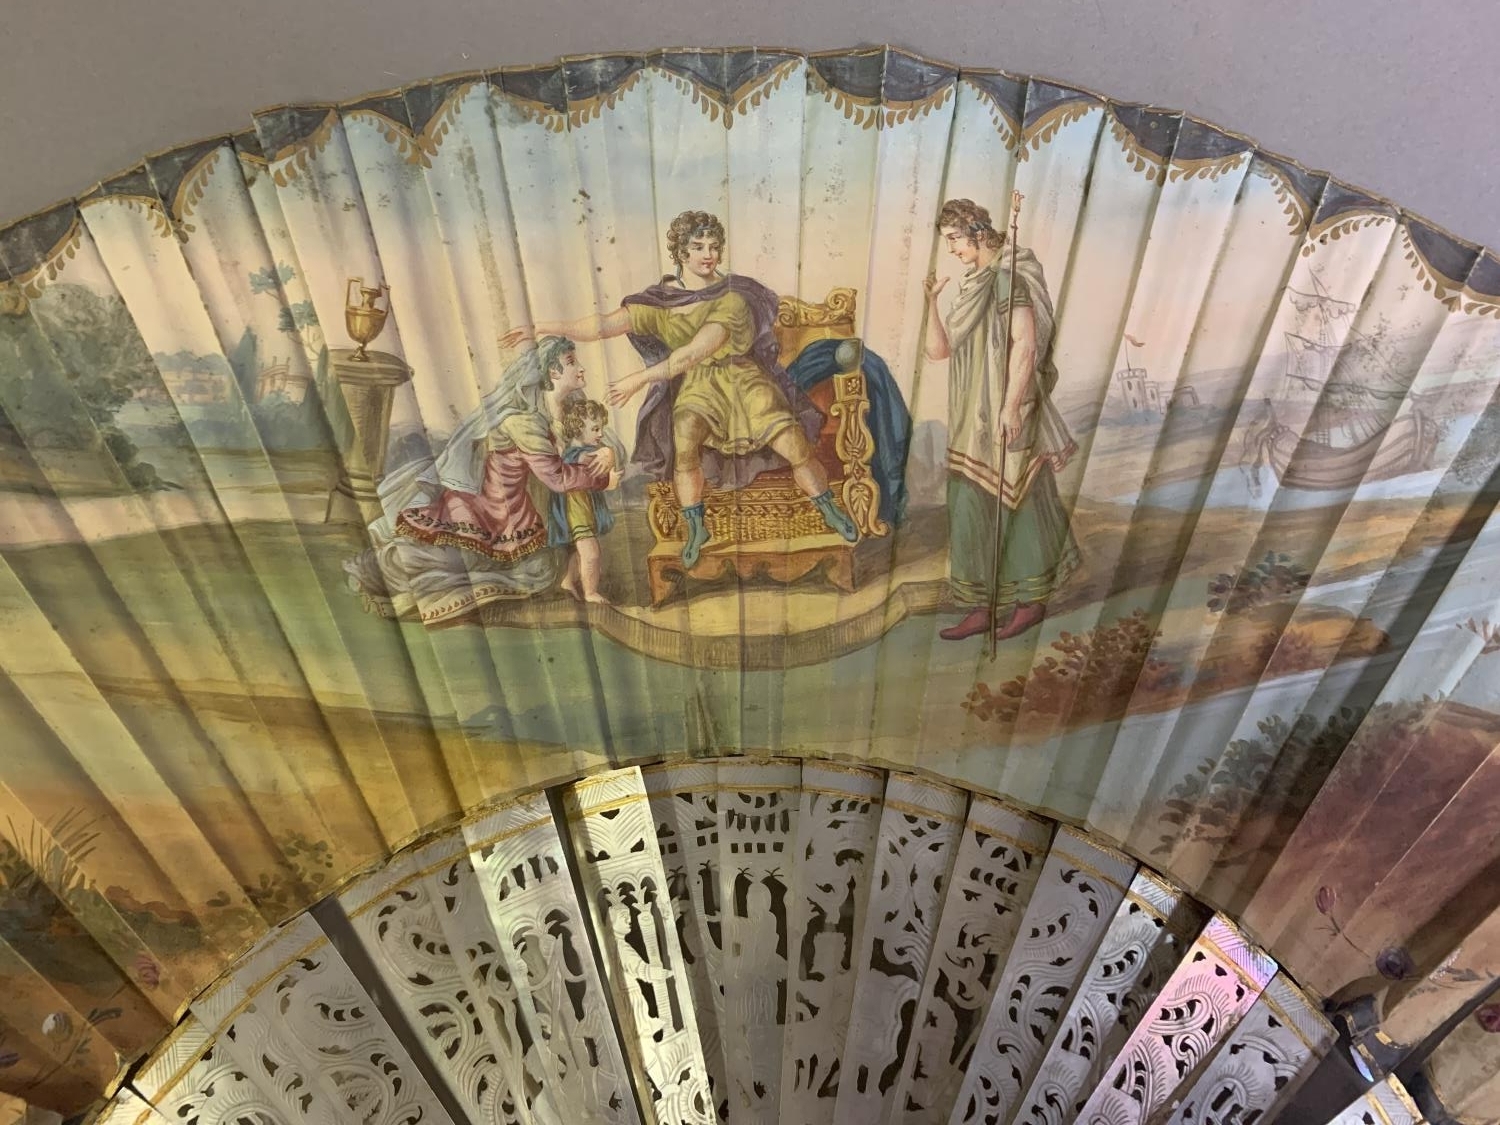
x=1274, y=577
x=1280, y=771
x=1096, y=672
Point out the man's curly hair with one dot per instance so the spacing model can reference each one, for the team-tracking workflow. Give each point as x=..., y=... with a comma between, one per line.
x=973, y=220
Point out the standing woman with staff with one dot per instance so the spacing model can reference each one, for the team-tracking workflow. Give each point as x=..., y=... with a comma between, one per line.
x=1006, y=439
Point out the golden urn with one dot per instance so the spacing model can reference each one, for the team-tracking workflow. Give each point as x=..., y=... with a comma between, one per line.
x=364, y=319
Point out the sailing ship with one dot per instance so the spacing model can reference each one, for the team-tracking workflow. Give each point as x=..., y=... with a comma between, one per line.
x=1336, y=419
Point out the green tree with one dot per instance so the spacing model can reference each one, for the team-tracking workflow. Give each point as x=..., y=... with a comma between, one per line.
x=67, y=367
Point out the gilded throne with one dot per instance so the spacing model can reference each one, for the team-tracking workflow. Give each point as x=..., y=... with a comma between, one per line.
x=768, y=528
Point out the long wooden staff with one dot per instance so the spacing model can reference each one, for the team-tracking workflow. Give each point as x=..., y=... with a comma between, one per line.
x=1010, y=312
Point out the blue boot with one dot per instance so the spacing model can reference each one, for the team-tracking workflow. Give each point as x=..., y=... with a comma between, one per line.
x=697, y=535
x=834, y=516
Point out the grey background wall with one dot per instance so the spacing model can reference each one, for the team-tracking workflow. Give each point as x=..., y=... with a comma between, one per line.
x=1395, y=97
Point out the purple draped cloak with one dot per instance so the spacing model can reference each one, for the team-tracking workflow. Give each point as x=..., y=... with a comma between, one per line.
x=653, y=433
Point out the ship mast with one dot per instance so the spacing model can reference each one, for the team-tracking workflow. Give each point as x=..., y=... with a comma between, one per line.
x=1313, y=353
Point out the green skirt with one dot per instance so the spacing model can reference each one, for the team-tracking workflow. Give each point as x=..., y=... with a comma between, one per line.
x=1037, y=550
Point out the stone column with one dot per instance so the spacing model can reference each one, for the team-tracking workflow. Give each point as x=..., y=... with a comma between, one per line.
x=369, y=387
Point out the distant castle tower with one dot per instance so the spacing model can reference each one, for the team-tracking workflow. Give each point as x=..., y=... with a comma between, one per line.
x=1139, y=392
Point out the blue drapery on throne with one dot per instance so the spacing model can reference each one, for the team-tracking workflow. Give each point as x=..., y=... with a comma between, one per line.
x=889, y=420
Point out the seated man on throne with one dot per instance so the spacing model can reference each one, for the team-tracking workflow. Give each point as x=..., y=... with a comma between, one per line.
x=721, y=408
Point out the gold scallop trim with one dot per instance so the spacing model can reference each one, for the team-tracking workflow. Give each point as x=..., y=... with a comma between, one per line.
x=17, y=294
x=1447, y=291
x=1004, y=126
x=148, y=205
x=872, y=113
x=1331, y=230
x=1205, y=167
x=577, y=113
x=190, y=191
x=292, y=160
x=586, y=110
x=416, y=148
x=1045, y=127
x=1298, y=213
x=1477, y=305
x=737, y=102
x=1137, y=155
x=536, y=112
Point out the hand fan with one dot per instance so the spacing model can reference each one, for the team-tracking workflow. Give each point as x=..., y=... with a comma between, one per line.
x=746, y=585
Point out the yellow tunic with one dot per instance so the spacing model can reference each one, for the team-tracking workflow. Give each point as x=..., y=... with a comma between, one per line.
x=741, y=404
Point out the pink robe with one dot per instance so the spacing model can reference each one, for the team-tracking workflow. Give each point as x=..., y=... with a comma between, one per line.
x=500, y=521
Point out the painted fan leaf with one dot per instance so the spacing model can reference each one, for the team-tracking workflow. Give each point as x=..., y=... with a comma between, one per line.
x=746, y=585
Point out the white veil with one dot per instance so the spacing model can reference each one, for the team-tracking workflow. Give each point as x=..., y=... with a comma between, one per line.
x=459, y=464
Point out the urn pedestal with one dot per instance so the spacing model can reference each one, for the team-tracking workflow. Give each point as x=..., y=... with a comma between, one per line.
x=369, y=388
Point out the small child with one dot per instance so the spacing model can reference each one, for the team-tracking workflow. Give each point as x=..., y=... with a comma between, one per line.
x=581, y=516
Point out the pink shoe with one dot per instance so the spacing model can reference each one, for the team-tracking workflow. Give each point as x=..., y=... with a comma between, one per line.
x=1026, y=616
x=978, y=621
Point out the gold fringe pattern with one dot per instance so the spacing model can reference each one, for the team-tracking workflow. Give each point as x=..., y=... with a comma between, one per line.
x=1045, y=127
x=16, y=294
x=190, y=192
x=293, y=160
x=871, y=113
x=1334, y=229
x=1009, y=133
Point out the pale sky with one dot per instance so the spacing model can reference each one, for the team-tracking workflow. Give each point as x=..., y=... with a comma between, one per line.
x=513, y=222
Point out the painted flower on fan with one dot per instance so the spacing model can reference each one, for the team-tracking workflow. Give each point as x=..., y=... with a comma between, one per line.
x=1488, y=1017
x=1325, y=900
x=58, y=1025
x=1395, y=963
x=147, y=971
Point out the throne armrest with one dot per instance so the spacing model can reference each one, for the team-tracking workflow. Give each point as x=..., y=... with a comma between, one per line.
x=798, y=324
x=853, y=440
